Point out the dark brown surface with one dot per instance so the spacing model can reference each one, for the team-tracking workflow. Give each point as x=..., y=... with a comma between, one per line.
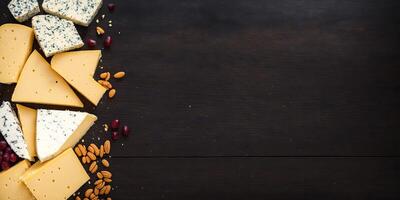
x=254, y=99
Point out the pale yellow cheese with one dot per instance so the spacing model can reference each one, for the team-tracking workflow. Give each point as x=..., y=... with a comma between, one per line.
x=38, y=83
x=27, y=117
x=15, y=46
x=56, y=179
x=11, y=187
x=77, y=68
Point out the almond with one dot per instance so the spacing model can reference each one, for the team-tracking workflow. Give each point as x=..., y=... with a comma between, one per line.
x=103, y=75
x=95, y=169
x=92, y=196
x=91, y=156
x=96, y=191
x=111, y=93
x=90, y=149
x=98, y=182
x=99, y=175
x=84, y=159
x=78, y=152
x=100, y=186
x=119, y=75
x=109, y=198
x=91, y=167
x=108, y=76
x=96, y=149
x=77, y=198
x=107, y=146
x=82, y=148
x=99, y=30
x=107, y=180
x=108, y=190
x=105, y=163
x=103, y=190
x=88, y=160
x=101, y=151
x=86, y=199
x=106, y=174
x=88, y=192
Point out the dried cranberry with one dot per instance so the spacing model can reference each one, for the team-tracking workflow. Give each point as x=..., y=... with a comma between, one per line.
x=108, y=42
x=125, y=131
x=13, y=157
x=91, y=43
x=115, y=124
x=8, y=150
x=115, y=135
x=111, y=7
x=3, y=144
x=6, y=157
x=5, y=165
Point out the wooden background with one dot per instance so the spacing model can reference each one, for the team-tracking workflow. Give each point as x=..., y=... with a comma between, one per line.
x=253, y=99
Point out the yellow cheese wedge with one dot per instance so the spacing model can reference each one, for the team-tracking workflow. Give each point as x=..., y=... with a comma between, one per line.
x=27, y=117
x=77, y=68
x=38, y=83
x=56, y=179
x=11, y=187
x=15, y=46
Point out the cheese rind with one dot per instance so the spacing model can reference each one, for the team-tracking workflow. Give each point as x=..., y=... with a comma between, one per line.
x=15, y=47
x=80, y=12
x=56, y=179
x=11, y=130
x=55, y=35
x=11, y=187
x=77, y=68
x=58, y=130
x=38, y=83
x=27, y=117
x=22, y=10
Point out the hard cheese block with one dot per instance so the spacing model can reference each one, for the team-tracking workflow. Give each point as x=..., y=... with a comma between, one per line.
x=27, y=117
x=22, y=10
x=58, y=130
x=11, y=130
x=77, y=68
x=56, y=179
x=55, y=35
x=80, y=12
x=38, y=83
x=15, y=46
x=11, y=187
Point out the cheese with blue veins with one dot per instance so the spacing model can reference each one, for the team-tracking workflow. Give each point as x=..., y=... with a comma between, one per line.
x=22, y=10
x=10, y=128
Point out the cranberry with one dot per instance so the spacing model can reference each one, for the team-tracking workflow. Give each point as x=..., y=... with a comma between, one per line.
x=115, y=124
x=125, y=131
x=111, y=7
x=5, y=165
x=115, y=135
x=6, y=157
x=91, y=43
x=3, y=144
x=13, y=158
x=107, y=42
x=8, y=150
x=1, y=158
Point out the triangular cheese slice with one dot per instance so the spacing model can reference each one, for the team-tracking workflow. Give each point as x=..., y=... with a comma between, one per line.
x=10, y=128
x=57, y=130
x=27, y=117
x=38, y=83
x=77, y=68
x=15, y=46
x=11, y=187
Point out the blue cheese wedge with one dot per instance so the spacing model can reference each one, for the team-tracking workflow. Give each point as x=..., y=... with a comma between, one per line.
x=22, y=10
x=81, y=12
x=10, y=128
x=55, y=35
x=58, y=130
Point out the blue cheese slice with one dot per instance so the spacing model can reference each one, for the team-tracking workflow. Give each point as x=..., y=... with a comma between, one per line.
x=81, y=12
x=10, y=128
x=22, y=10
x=55, y=35
x=58, y=130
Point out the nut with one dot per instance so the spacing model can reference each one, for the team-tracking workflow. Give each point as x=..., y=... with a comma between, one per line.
x=96, y=191
x=119, y=75
x=77, y=198
x=98, y=182
x=103, y=190
x=107, y=146
x=92, y=196
x=91, y=167
x=82, y=148
x=109, y=198
x=99, y=175
x=88, y=160
x=96, y=149
x=78, y=152
x=106, y=174
x=101, y=151
x=91, y=156
x=107, y=180
x=105, y=84
x=88, y=192
x=90, y=149
x=105, y=163
x=103, y=75
x=108, y=190
x=99, y=30
x=111, y=93
x=99, y=186
x=94, y=170
x=84, y=159
x=86, y=199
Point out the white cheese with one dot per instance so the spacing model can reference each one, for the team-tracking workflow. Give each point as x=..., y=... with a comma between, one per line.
x=22, y=10
x=81, y=12
x=55, y=35
x=57, y=130
x=12, y=132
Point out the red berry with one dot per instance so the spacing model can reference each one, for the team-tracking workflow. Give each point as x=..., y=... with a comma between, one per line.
x=6, y=157
x=3, y=144
x=125, y=131
x=115, y=124
x=13, y=157
x=5, y=165
x=8, y=150
x=91, y=42
x=111, y=7
x=1, y=158
x=107, y=42
x=115, y=135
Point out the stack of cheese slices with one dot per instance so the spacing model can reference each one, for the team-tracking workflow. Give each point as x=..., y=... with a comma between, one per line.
x=46, y=134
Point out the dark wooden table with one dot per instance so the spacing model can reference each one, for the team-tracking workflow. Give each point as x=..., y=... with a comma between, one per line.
x=253, y=99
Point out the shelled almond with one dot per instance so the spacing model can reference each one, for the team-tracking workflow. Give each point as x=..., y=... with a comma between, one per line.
x=107, y=146
x=101, y=151
x=105, y=163
x=119, y=75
